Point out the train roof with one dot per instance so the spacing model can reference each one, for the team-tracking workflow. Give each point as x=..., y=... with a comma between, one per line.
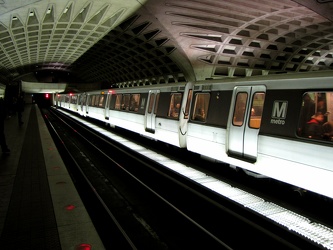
x=314, y=80
x=319, y=79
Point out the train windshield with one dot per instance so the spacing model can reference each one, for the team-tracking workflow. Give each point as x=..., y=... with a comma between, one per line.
x=316, y=118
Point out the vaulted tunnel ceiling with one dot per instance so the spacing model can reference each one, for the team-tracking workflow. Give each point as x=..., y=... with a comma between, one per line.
x=137, y=42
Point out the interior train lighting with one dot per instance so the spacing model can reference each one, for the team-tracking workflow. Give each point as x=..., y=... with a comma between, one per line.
x=297, y=223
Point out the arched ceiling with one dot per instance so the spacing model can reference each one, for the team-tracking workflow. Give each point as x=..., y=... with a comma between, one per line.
x=136, y=42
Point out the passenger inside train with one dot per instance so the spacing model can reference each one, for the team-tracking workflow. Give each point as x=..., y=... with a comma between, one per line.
x=315, y=119
x=201, y=107
x=134, y=103
x=174, y=105
x=200, y=115
x=118, y=104
x=314, y=127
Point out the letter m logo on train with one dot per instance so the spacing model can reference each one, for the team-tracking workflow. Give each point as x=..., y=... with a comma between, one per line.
x=279, y=109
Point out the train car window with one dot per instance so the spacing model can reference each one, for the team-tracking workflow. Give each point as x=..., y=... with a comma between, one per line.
x=74, y=99
x=188, y=102
x=143, y=103
x=118, y=102
x=175, y=104
x=256, y=109
x=125, y=102
x=109, y=101
x=83, y=99
x=201, y=104
x=239, y=111
x=66, y=98
x=316, y=118
x=156, y=102
x=80, y=99
x=92, y=100
x=88, y=101
x=151, y=103
x=134, y=103
x=96, y=100
x=102, y=101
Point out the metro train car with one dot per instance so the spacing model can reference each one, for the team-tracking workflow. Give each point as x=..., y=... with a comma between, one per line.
x=68, y=102
x=276, y=126
x=152, y=111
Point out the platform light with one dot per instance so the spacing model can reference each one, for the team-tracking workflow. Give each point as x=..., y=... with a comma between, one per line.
x=83, y=246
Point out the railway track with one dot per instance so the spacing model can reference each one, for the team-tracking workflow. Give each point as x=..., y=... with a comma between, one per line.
x=137, y=203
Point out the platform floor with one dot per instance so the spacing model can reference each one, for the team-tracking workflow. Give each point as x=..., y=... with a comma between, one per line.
x=39, y=205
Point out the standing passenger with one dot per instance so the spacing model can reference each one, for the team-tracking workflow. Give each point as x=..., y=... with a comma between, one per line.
x=3, y=144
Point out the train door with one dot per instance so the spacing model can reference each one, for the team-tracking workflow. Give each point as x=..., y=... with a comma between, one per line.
x=244, y=122
x=150, y=116
x=82, y=102
x=107, y=106
x=56, y=98
x=88, y=101
x=184, y=115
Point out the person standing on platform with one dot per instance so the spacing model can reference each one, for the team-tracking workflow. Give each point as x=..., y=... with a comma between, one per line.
x=4, y=147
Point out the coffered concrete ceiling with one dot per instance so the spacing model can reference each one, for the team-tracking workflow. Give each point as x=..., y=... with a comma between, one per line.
x=137, y=42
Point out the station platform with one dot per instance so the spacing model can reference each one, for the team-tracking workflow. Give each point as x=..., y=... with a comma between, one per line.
x=39, y=205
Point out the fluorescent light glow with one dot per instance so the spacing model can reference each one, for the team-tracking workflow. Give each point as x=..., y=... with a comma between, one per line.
x=313, y=231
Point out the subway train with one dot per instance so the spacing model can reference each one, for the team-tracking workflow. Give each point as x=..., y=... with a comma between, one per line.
x=277, y=126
